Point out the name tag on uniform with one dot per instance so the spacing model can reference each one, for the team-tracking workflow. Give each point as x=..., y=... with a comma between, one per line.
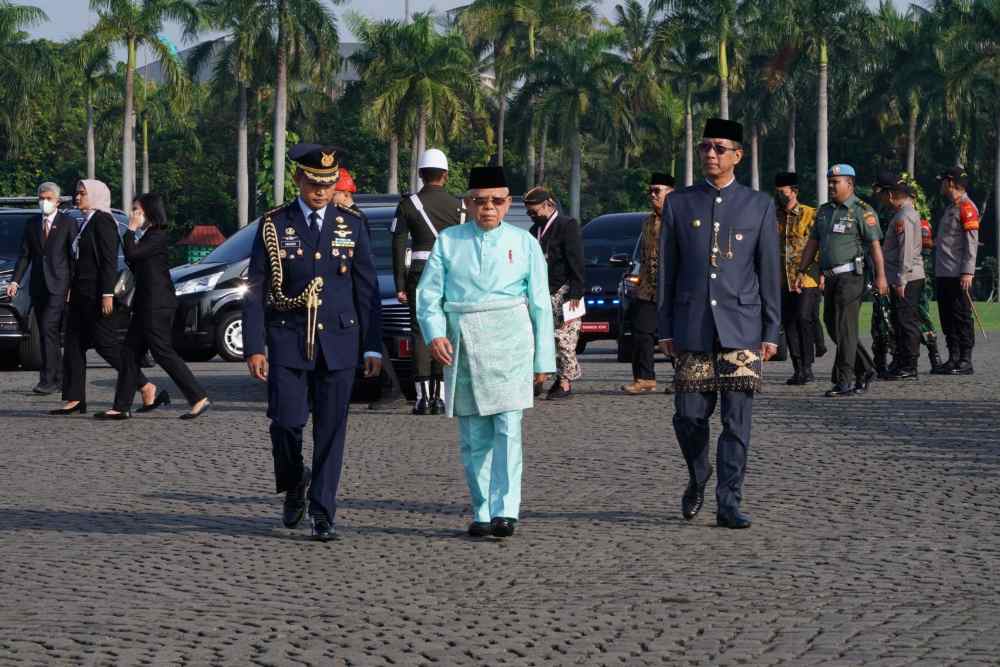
x=292, y=243
x=343, y=243
x=839, y=228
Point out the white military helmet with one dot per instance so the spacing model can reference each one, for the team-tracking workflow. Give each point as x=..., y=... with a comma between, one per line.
x=432, y=158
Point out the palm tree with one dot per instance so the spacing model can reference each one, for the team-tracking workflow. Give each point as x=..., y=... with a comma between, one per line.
x=24, y=66
x=428, y=80
x=240, y=57
x=575, y=81
x=92, y=67
x=136, y=24
x=306, y=30
x=688, y=68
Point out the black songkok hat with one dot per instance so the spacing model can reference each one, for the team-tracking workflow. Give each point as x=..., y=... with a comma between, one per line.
x=536, y=196
x=481, y=178
x=783, y=178
x=659, y=178
x=720, y=128
x=318, y=162
x=957, y=175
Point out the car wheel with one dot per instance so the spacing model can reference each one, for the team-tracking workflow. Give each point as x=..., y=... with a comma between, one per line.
x=29, y=350
x=229, y=337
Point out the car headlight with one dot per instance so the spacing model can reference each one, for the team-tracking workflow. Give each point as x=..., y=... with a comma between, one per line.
x=199, y=284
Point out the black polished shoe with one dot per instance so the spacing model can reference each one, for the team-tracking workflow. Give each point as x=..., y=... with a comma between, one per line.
x=694, y=497
x=480, y=529
x=107, y=415
x=794, y=380
x=947, y=367
x=195, y=415
x=80, y=407
x=963, y=367
x=421, y=407
x=556, y=391
x=438, y=407
x=840, y=390
x=820, y=351
x=322, y=529
x=162, y=398
x=294, y=508
x=806, y=376
x=902, y=374
x=502, y=527
x=735, y=519
x=862, y=383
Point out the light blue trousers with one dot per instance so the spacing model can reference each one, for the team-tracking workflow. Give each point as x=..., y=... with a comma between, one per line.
x=491, y=454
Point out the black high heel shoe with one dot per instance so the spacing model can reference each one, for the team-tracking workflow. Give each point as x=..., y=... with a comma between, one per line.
x=113, y=416
x=195, y=415
x=80, y=407
x=162, y=398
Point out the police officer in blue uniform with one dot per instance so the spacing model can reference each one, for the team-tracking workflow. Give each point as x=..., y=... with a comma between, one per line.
x=312, y=281
x=719, y=314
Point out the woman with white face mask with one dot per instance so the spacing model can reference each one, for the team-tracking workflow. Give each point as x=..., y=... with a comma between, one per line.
x=46, y=247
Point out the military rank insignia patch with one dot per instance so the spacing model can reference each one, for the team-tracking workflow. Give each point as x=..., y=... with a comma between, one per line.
x=871, y=220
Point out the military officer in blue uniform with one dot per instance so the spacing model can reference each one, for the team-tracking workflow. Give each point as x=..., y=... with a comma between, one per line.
x=312, y=281
x=719, y=314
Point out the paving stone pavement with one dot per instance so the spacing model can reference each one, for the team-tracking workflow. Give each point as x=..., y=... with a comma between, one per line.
x=157, y=541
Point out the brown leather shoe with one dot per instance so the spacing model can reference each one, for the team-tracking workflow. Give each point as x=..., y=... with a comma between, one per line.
x=639, y=387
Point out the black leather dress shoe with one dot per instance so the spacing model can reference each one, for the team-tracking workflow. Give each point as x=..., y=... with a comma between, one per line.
x=480, y=529
x=794, y=380
x=421, y=407
x=944, y=369
x=502, y=527
x=963, y=367
x=694, y=497
x=294, y=508
x=735, y=520
x=113, y=416
x=839, y=390
x=322, y=529
x=806, y=377
x=902, y=374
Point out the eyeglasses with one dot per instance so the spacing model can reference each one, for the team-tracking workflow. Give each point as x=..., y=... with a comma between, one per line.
x=720, y=149
x=496, y=201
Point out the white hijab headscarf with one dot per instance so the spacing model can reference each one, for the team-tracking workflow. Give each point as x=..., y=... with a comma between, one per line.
x=98, y=194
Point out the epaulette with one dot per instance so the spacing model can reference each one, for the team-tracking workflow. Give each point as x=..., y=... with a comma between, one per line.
x=274, y=210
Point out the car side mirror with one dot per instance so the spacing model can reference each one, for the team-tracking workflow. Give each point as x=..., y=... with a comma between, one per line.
x=620, y=259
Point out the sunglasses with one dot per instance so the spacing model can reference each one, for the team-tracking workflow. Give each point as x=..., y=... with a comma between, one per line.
x=720, y=149
x=496, y=201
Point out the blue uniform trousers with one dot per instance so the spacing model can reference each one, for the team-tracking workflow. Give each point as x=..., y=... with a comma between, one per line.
x=290, y=392
x=491, y=454
x=693, y=410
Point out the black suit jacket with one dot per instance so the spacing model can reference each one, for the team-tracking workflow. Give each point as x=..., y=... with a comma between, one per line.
x=51, y=259
x=149, y=259
x=95, y=270
x=563, y=248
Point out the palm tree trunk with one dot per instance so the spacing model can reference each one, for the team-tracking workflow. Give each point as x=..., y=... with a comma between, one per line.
x=911, y=141
x=791, y=138
x=625, y=160
x=421, y=143
x=688, y=143
x=242, y=163
x=754, y=157
x=501, y=126
x=91, y=149
x=392, y=187
x=574, y=172
x=280, y=105
x=822, y=145
x=145, y=155
x=723, y=81
x=414, y=147
x=543, y=144
x=529, y=153
x=996, y=202
x=128, y=135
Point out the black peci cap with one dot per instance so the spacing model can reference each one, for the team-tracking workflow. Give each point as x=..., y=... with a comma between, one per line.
x=720, y=128
x=783, y=178
x=481, y=178
x=660, y=178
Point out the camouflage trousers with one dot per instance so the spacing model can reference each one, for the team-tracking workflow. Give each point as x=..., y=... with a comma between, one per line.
x=883, y=339
x=567, y=336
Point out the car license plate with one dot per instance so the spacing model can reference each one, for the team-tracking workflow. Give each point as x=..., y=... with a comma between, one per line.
x=595, y=327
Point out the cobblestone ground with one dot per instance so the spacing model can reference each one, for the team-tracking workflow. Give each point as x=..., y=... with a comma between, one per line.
x=158, y=541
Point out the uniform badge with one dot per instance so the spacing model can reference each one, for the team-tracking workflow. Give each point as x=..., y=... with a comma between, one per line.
x=282, y=254
x=343, y=268
x=739, y=237
x=696, y=223
x=341, y=234
x=299, y=251
x=326, y=160
x=317, y=256
x=871, y=220
x=336, y=252
x=350, y=252
x=340, y=219
x=289, y=231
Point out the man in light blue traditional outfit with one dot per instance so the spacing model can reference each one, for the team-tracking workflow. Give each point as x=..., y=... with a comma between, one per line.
x=484, y=308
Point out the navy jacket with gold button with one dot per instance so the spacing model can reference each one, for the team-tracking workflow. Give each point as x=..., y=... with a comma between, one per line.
x=734, y=298
x=344, y=317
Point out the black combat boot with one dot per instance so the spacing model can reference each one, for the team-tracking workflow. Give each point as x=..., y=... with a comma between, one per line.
x=796, y=378
x=436, y=403
x=422, y=406
x=806, y=375
x=964, y=364
x=880, y=357
x=947, y=367
x=932, y=351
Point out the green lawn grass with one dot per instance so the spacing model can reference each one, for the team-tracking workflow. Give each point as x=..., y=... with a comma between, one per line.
x=988, y=312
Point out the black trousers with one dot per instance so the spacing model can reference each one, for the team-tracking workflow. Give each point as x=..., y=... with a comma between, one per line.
x=818, y=324
x=424, y=366
x=843, y=295
x=87, y=328
x=956, y=314
x=642, y=315
x=48, y=310
x=798, y=317
x=288, y=394
x=388, y=380
x=691, y=415
x=906, y=324
x=152, y=330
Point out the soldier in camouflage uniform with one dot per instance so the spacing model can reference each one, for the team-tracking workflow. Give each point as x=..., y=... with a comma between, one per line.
x=883, y=341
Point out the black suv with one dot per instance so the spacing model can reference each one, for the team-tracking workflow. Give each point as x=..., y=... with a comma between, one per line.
x=210, y=293
x=19, y=340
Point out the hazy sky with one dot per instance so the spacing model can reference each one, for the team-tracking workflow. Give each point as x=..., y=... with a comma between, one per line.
x=69, y=18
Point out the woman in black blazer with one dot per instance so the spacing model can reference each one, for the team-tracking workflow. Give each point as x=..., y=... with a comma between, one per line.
x=153, y=307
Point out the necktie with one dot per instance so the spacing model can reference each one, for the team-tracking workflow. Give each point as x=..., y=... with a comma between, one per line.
x=314, y=224
x=46, y=226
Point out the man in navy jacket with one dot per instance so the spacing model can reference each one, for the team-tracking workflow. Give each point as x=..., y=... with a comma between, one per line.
x=719, y=314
